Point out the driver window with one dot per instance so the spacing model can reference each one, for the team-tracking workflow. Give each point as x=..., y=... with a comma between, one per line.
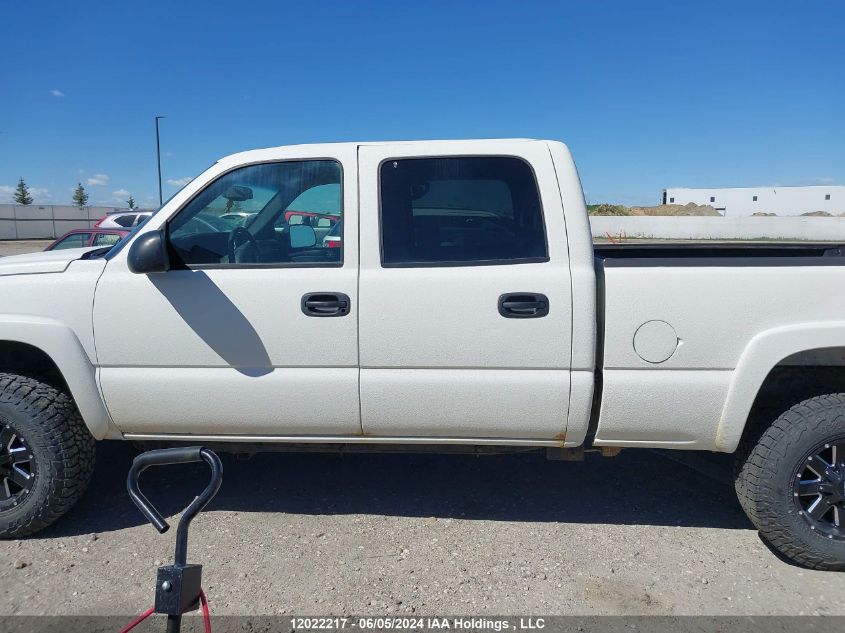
x=265, y=214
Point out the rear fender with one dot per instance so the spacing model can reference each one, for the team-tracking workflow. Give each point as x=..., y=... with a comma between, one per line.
x=765, y=351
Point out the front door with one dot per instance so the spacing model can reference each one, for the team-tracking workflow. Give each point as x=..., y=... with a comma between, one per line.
x=465, y=315
x=254, y=329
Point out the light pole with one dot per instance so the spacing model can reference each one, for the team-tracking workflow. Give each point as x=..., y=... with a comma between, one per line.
x=158, y=159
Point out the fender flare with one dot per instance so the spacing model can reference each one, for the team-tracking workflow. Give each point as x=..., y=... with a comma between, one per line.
x=761, y=355
x=60, y=343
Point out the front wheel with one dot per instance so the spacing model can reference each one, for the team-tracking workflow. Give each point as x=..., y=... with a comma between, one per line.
x=46, y=455
x=791, y=482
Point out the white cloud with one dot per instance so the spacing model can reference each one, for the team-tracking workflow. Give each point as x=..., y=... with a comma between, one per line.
x=120, y=193
x=823, y=180
x=57, y=93
x=99, y=180
x=39, y=194
x=179, y=182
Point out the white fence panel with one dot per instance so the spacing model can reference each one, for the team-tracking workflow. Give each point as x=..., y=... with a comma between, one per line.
x=38, y=221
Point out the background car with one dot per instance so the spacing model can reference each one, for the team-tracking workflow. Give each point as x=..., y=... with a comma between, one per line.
x=208, y=223
x=334, y=238
x=238, y=218
x=80, y=238
x=322, y=223
x=125, y=220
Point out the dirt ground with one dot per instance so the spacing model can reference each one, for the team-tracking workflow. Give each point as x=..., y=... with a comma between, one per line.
x=17, y=247
x=395, y=534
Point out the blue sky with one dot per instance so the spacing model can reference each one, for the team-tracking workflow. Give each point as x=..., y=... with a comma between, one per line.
x=646, y=94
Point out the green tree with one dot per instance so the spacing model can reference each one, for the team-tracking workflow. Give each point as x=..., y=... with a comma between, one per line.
x=131, y=202
x=22, y=193
x=80, y=198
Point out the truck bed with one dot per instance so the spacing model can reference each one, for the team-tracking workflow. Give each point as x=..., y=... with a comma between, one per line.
x=710, y=301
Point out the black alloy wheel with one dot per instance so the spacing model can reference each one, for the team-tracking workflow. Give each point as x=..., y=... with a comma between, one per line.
x=17, y=467
x=819, y=489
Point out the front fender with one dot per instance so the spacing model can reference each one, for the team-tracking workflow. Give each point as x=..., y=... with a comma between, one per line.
x=61, y=344
x=761, y=355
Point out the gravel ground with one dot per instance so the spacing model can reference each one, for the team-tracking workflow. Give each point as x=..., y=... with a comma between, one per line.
x=425, y=534
x=17, y=247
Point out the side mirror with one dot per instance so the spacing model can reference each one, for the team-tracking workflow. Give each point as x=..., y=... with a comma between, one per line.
x=148, y=254
x=302, y=236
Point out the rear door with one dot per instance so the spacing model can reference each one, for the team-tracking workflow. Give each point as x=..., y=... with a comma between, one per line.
x=465, y=306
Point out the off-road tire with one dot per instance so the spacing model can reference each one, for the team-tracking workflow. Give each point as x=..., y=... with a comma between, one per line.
x=769, y=460
x=61, y=447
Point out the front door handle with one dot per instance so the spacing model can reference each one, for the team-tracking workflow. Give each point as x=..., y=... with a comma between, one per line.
x=523, y=305
x=325, y=304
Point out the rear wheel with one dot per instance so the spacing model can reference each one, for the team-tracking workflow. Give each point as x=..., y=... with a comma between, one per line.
x=46, y=455
x=791, y=482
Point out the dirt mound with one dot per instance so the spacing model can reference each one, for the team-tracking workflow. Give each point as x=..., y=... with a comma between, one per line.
x=607, y=209
x=691, y=209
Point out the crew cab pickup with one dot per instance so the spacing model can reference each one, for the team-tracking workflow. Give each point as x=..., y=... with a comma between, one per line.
x=465, y=306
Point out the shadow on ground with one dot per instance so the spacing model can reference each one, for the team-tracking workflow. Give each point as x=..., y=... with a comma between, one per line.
x=638, y=487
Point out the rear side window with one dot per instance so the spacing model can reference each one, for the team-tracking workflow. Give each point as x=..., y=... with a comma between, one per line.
x=106, y=239
x=460, y=211
x=125, y=220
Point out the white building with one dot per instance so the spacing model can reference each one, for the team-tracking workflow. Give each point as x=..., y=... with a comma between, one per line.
x=743, y=201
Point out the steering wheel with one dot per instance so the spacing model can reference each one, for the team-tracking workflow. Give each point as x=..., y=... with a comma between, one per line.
x=242, y=247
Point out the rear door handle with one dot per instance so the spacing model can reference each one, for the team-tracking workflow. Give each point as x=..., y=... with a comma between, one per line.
x=523, y=305
x=325, y=304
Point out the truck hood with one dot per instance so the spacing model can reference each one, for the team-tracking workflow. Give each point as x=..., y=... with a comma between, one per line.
x=42, y=262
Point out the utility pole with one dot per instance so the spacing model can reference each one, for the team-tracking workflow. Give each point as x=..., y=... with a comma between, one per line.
x=158, y=158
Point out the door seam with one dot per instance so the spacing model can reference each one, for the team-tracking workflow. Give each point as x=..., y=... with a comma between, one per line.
x=358, y=290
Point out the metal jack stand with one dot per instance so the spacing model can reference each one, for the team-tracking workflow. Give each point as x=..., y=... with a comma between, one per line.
x=178, y=586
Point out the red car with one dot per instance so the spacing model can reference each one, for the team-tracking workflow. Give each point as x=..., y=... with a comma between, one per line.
x=310, y=218
x=80, y=238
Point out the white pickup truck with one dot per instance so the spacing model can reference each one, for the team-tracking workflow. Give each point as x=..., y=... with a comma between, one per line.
x=419, y=293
